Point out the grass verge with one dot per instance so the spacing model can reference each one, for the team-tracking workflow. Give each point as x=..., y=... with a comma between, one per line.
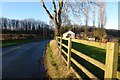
x=54, y=64
x=7, y=43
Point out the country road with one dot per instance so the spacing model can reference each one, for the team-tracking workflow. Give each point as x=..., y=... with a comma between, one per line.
x=22, y=61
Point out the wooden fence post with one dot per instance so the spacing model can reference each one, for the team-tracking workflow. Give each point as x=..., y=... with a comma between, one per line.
x=69, y=53
x=57, y=39
x=60, y=45
x=111, y=60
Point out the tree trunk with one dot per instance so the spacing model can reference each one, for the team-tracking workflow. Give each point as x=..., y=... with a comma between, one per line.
x=56, y=31
x=85, y=28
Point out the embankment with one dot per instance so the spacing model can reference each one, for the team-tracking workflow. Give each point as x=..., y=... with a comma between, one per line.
x=54, y=64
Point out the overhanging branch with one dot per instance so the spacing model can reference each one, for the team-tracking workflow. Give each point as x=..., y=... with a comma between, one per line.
x=43, y=4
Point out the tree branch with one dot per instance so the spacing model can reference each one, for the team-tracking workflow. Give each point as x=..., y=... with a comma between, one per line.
x=59, y=12
x=55, y=12
x=43, y=4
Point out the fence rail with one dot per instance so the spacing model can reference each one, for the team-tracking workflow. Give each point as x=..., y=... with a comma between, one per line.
x=96, y=44
x=110, y=66
x=89, y=59
x=119, y=49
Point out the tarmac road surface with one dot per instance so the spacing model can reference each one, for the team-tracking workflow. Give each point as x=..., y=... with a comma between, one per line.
x=23, y=61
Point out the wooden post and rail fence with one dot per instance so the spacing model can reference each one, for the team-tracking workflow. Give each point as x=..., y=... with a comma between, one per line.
x=110, y=66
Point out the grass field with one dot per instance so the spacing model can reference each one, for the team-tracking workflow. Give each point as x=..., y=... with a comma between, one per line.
x=17, y=41
x=94, y=52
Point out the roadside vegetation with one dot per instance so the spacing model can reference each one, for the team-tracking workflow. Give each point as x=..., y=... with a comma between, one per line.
x=54, y=64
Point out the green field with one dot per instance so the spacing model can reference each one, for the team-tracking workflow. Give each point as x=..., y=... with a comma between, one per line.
x=94, y=52
x=6, y=43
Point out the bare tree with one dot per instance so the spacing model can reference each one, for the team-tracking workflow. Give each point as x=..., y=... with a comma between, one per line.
x=102, y=14
x=57, y=14
x=94, y=16
x=86, y=13
x=101, y=18
x=62, y=12
x=65, y=18
x=80, y=9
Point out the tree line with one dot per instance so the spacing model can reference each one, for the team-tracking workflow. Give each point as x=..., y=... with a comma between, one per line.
x=77, y=29
x=26, y=26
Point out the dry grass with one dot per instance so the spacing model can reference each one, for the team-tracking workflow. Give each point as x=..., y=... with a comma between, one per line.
x=54, y=64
